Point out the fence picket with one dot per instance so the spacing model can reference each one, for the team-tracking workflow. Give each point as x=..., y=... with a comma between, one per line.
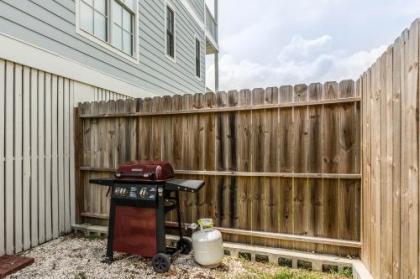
x=316, y=186
x=286, y=146
x=396, y=156
x=257, y=159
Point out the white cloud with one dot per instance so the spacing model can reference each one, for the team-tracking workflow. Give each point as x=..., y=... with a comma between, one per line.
x=302, y=49
x=300, y=61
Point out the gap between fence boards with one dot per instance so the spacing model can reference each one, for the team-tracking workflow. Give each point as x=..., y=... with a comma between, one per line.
x=248, y=174
x=226, y=109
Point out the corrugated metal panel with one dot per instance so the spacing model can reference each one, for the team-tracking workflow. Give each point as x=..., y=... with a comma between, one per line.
x=51, y=25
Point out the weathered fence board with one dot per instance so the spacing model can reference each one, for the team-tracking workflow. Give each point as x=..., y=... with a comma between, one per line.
x=277, y=160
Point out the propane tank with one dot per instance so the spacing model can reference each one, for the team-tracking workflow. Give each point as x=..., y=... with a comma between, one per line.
x=207, y=244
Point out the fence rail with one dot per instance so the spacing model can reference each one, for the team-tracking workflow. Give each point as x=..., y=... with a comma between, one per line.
x=224, y=109
x=281, y=162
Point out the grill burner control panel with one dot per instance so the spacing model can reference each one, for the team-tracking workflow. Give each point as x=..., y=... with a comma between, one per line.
x=135, y=192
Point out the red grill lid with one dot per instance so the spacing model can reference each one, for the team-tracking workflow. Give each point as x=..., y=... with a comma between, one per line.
x=148, y=170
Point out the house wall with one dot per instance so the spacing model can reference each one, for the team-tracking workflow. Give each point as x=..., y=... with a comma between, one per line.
x=37, y=154
x=51, y=25
x=198, y=7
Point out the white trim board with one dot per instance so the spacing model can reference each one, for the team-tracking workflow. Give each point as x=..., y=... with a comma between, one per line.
x=30, y=55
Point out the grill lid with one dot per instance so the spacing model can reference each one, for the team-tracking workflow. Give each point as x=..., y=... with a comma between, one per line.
x=146, y=170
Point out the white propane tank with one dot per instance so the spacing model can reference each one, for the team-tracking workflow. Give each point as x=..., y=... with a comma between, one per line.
x=207, y=244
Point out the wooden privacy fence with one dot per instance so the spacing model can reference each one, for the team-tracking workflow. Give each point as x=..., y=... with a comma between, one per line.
x=391, y=237
x=281, y=165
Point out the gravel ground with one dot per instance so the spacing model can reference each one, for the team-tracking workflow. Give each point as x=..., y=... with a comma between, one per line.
x=75, y=257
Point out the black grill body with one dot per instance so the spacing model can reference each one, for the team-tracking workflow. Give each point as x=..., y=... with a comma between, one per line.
x=139, y=204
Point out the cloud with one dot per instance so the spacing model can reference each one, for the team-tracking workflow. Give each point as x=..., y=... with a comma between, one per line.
x=302, y=49
x=300, y=61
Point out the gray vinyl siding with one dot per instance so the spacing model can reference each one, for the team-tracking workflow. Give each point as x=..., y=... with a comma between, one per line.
x=51, y=25
x=198, y=6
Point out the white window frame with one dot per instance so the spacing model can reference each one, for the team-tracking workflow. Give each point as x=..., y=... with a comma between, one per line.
x=108, y=45
x=171, y=6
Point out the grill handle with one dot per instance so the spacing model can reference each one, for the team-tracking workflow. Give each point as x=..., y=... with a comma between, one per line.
x=148, y=175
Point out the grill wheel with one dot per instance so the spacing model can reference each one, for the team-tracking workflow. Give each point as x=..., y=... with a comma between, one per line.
x=161, y=263
x=184, y=246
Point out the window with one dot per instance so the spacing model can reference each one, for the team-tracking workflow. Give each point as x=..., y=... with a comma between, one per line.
x=197, y=58
x=109, y=22
x=170, y=32
x=122, y=28
x=93, y=18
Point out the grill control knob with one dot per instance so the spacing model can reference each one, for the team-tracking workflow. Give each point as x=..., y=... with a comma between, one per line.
x=143, y=192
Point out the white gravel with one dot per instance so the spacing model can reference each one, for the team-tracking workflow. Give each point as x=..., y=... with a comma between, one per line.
x=76, y=257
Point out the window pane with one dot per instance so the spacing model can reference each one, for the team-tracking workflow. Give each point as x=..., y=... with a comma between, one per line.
x=170, y=45
x=116, y=13
x=127, y=21
x=100, y=26
x=170, y=38
x=170, y=21
x=100, y=6
x=127, y=43
x=197, y=58
x=86, y=17
x=117, y=36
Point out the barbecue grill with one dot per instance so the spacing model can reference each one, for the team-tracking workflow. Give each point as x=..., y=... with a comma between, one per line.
x=142, y=192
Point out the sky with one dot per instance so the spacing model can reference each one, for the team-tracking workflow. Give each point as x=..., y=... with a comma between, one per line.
x=279, y=42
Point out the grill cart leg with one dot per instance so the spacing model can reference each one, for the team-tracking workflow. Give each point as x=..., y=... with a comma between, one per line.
x=184, y=245
x=109, y=258
x=160, y=222
x=178, y=213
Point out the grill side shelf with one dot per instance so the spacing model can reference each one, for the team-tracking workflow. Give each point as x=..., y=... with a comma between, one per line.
x=184, y=185
x=103, y=182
